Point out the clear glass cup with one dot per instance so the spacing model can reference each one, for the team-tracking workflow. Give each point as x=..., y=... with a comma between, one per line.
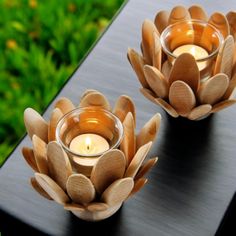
x=199, y=38
x=90, y=121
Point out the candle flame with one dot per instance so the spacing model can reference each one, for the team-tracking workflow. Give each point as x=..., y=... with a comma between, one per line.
x=88, y=142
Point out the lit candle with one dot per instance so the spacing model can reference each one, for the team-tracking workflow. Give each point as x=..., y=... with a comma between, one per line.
x=89, y=144
x=197, y=51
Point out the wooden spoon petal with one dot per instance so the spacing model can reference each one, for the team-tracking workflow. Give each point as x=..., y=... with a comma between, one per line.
x=95, y=99
x=157, y=51
x=123, y=106
x=148, y=94
x=138, y=185
x=166, y=69
x=220, y=22
x=222, y=105
x=65, y=105
x=128, y=144
x=109, y=167
x=38, y=188
x=199, y=112
x=181, y=97
x=231, y=17
x=149, y=131
x=52, y=188
x=156, y=81
x=137, y=62
x=148, y=28
x=28, y=154
x=185, y=69
x=137, y=161
x=177, y=14
x=212, y=90
x=231, y=88
x=144, y=169
x=97, y=206
x=80, y=189
x=225, y=57
x=118, y=191
x=40, y=154
x=55, y=117
x=58, y=163
x=74, y=207
x=35, y=124
x=197, y=12
x=167, y=107
x=161, y=20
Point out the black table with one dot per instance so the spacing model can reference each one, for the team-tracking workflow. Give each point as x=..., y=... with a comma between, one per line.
x=189, y=190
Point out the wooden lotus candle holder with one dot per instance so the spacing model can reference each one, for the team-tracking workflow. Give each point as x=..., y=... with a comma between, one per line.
x=176, y=82
x=116, y=175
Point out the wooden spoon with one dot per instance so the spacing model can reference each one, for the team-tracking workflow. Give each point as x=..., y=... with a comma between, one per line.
x=225, y=57
x=148, y=94
x=35, y=124
x=138, y=185
x=148, y=28
x=65, y=105
x=97, y=206
x=231, y=17
x=55, y=117
x=38, y=188
x=95, y=99
x=137, y=62
x=231, y=88
x=212, y=90
x=80, y=189
x=144, y=169
x=157, y=51
x=161, y=20
x=220, y=22
x=149, y=131
x=58, y=164
x=52, y=188
x=185, y=68
x=123, y=106
x=199, y=111
x=109, y=167
x=156, y=81
x=118, y=191
x=128, y=144
x=28, y=154
x=181, y=97
x=222, y=105
x=137, y=161
x=40, y=154
x=167, y=107
x=177, y=14
x=74, y=207
x=166, y=69
x=197, y=12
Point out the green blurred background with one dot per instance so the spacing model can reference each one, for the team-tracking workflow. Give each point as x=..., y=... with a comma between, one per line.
x=41, y=43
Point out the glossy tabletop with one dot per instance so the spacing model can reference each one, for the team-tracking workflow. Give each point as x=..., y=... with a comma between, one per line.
x=194, y=181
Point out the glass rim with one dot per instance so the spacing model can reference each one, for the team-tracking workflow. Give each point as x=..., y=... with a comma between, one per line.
x=79, y=110
x=192, y=21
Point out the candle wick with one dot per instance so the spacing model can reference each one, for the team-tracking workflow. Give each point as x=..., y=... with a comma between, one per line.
x=87, y=147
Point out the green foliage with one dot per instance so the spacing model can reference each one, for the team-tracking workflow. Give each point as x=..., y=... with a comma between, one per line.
x=41, y=43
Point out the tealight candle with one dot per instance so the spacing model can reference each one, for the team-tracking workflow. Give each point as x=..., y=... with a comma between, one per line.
x=197, y=51
x=89, y=144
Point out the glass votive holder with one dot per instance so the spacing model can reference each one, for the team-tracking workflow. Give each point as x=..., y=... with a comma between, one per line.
x=196, y=37
x=86, y=134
